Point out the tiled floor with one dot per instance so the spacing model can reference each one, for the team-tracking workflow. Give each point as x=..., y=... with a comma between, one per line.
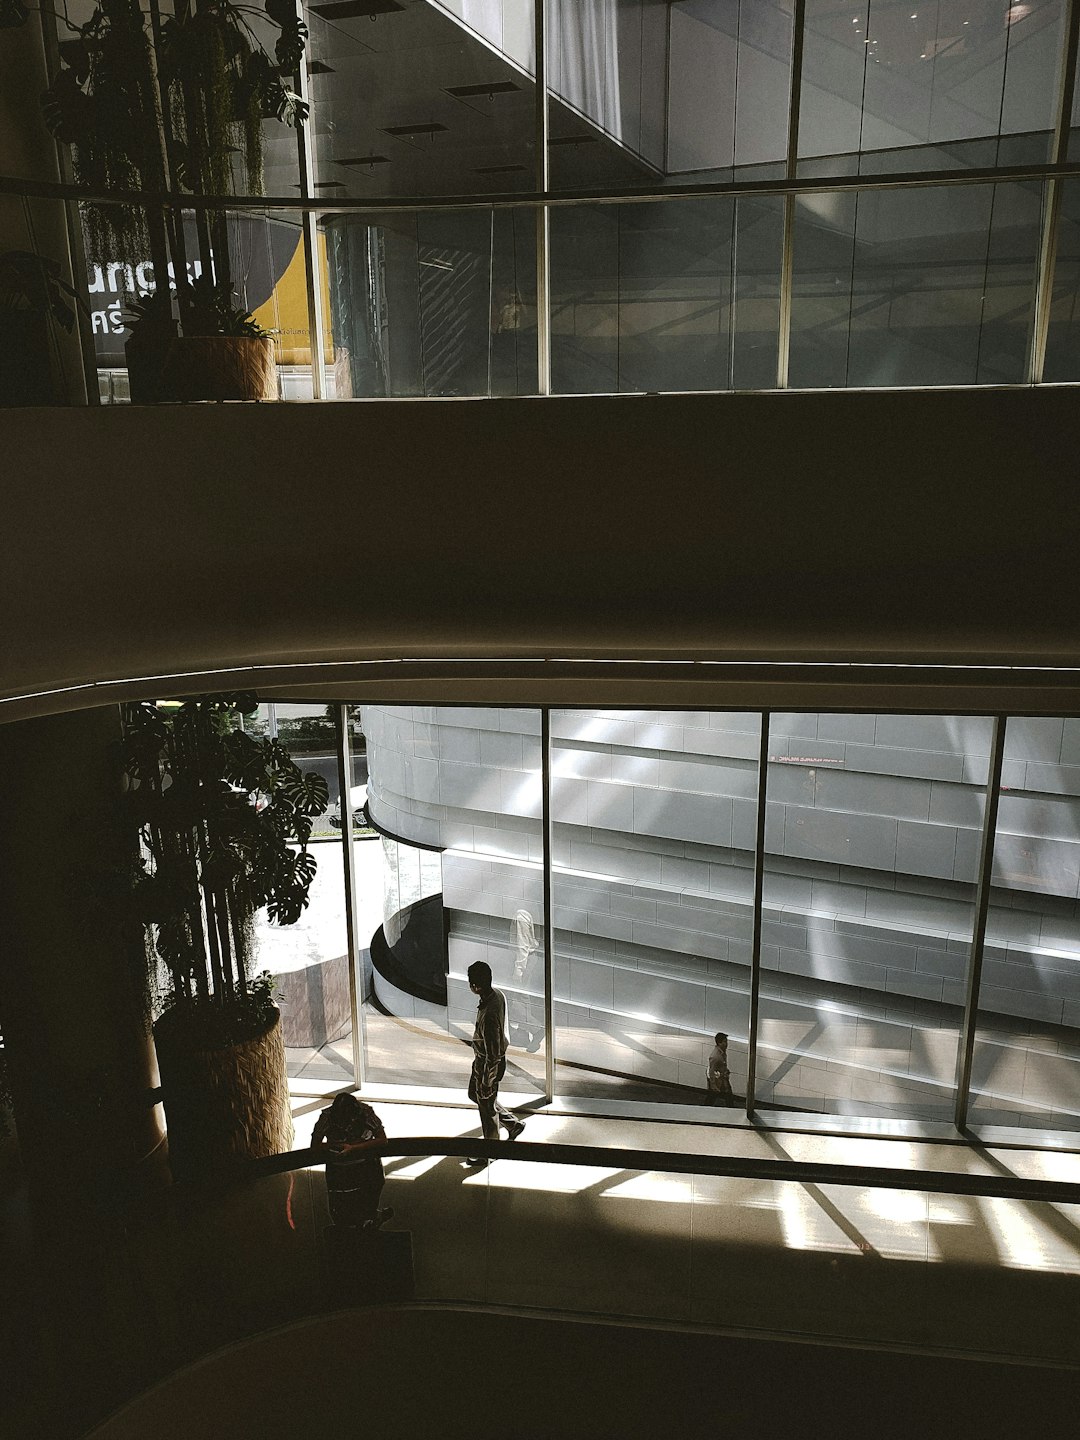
x=126, y=1292
x=861, y=1263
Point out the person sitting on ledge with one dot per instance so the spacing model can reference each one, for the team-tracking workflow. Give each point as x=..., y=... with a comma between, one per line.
x=353, y=1185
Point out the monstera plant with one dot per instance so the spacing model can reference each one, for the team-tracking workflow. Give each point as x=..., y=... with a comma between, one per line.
x=224, y=821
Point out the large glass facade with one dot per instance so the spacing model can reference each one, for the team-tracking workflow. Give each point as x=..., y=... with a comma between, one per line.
x=310, y=960
x=914, y=286
x=669, y=295
x=440, y=273
x=456, y=794
x=854, y=992
x=871, y=864
x=1026, y=1058
x=653, y=889
x=940, y=86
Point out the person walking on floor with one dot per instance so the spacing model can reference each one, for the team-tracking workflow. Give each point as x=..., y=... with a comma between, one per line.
x=717, y=1074
x=489, y=1059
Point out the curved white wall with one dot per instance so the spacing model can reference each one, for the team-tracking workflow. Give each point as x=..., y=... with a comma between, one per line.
x=872, y=838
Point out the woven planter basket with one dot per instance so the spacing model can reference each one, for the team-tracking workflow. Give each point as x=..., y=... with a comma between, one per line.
x=225, y=1104
x=202, y=367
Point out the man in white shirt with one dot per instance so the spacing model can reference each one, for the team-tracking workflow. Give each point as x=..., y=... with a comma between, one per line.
x=489, y=1059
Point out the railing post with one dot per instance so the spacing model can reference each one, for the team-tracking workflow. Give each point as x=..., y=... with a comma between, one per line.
x=759, y=891
x=783, y=349
x=1051, y=208
x=543, y=269
x=966, y=1048
x=549, y=924
x=312, y=269
x=344, y=764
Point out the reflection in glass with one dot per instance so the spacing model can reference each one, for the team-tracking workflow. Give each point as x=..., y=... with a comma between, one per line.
x=1063, y=337
x=310, y=958
x=267, y=276
x=729, y=85
x=930, y=286
x=667, y=295
x=872, y=842
x=433, y=303
x=935, y=86
x=1026, y=1061
x=641, y=92
x=654, y=823
x=423, y=99
x=463, y=786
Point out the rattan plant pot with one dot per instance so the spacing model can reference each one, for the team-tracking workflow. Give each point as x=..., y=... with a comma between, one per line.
x=220, y=367
x=224, y=1104
x=146, y=351
x=200, y=367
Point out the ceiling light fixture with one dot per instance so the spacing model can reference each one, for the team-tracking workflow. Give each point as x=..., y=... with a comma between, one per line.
x=404, y=132
x=354, y=9
x=491, y=89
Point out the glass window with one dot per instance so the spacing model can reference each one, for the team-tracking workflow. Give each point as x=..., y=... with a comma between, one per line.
x=654, y=822
x=259, y=255
x=459, y=789
x=1073, y=148
x=310, y=959
x=433, y=303
x=873, y=830
x=1026, y=1061
x=1063, y=337
x=641, y=90
x=936, y=86
x=423, y=99
x=665, y=295
x=931, y=286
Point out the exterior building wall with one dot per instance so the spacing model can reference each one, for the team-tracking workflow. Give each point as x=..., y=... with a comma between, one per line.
x=873, y=829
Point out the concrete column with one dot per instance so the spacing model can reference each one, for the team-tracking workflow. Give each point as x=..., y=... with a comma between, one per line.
x=28, y=152
x=72, y=966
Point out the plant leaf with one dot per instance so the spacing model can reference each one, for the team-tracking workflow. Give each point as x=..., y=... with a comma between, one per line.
x=290, y=45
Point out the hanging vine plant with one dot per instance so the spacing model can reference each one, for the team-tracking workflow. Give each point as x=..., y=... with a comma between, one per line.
x=151, y=104
x=221, y=84
x=102, y=102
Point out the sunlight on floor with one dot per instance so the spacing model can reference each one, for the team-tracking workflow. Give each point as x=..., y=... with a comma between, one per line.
x=663, y=1189
x=535, y=1175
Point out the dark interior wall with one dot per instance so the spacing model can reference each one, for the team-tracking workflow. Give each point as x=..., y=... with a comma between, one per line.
x=73, y=992
x=28, y=151
x=934, y=525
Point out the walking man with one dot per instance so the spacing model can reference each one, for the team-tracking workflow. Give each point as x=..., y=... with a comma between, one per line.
x=489, y=1059
x=717, y=1074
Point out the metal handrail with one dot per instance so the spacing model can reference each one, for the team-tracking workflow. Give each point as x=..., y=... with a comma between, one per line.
x=938, y=1182
x=523, y=199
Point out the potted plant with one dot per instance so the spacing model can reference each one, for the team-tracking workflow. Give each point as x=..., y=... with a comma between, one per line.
x=224, y=820
x=223, y=354
x=151, y=104
x=33, y=295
